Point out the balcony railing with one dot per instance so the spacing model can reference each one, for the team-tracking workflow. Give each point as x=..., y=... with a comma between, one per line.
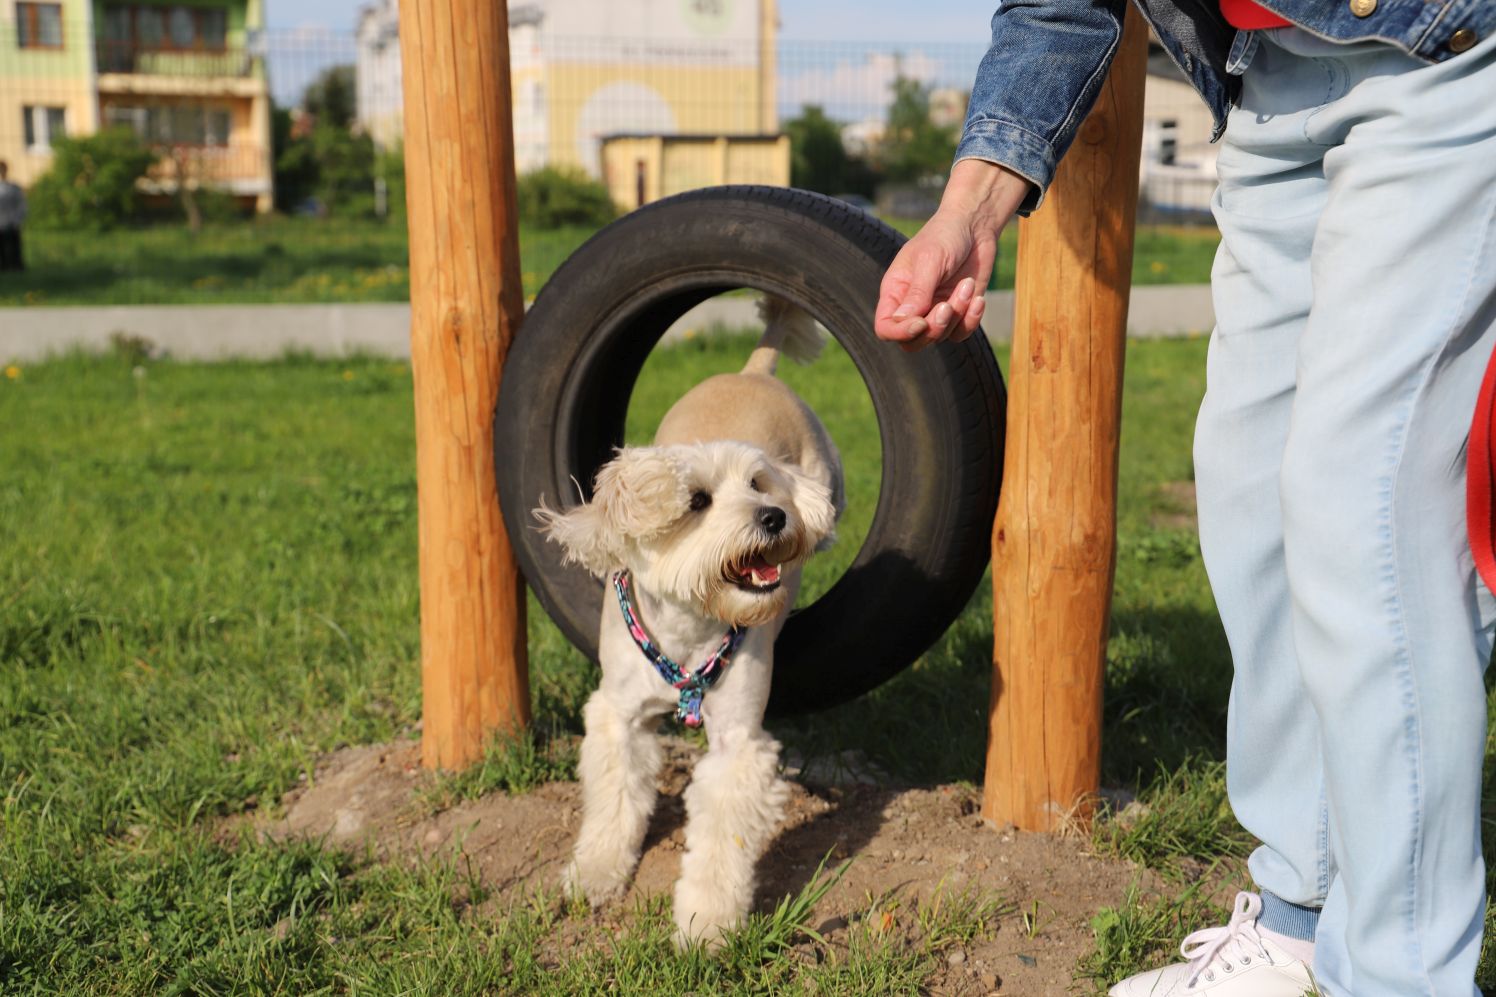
x=210, y=166
x=130, y=57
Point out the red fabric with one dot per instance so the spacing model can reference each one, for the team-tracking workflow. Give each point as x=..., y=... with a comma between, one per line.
x=1480, y=480
x=1248, y=16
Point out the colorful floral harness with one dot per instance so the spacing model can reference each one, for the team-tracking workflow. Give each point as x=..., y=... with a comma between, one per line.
x=692, y=685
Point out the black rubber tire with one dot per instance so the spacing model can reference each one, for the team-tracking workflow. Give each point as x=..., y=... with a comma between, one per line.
x=571, y=370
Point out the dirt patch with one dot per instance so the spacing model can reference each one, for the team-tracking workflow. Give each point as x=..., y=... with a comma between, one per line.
x=907, y=843
x=1177, y=503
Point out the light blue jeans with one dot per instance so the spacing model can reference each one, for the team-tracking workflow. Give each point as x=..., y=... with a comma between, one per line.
x=1355, y=295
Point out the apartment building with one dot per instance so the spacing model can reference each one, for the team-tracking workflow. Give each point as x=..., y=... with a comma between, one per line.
x=186, y=76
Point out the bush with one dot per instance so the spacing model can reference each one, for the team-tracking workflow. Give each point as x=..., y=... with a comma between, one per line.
x=91, y=182
x=551, y=198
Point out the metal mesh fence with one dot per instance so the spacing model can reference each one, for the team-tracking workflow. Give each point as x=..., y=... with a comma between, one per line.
x=303, y=128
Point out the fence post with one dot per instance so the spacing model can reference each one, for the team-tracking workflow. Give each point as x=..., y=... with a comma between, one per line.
x=1053, y=542
x=466, y=304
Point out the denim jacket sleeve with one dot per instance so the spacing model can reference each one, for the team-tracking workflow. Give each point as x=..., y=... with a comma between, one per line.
x=1037, y=82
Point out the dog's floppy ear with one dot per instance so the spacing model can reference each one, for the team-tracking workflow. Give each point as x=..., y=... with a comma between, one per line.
x=637, y=494
x=814, y=502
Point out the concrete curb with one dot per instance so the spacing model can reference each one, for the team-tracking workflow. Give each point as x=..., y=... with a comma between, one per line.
x=222, y=332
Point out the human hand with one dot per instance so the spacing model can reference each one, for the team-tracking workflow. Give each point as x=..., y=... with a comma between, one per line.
x=933, y=289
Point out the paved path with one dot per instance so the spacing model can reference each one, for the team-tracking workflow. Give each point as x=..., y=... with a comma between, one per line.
x=217, y=332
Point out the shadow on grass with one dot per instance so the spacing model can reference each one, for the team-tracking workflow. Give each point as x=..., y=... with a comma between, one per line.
x=1168, y=680
x=925, y=726
x=1167, y=685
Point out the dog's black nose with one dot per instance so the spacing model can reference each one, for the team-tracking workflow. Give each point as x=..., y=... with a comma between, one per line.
x=771, y=518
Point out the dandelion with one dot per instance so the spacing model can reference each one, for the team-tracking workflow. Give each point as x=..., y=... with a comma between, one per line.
x=12, y=373
x=347, y=375
x=1158, y=266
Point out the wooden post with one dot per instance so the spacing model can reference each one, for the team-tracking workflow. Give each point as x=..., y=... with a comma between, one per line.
x=1053, y=543
x=466, y=304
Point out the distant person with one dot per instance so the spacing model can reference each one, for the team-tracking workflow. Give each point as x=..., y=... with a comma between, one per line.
x=12, y=214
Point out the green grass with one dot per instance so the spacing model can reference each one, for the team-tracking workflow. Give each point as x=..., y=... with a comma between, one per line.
x=208, y=577
x=286, y=260
x=275, y=260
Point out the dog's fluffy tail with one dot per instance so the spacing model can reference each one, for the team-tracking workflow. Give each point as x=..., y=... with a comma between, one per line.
x=788, y=330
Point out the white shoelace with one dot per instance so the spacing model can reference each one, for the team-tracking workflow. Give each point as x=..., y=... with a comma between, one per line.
x=1236, y=943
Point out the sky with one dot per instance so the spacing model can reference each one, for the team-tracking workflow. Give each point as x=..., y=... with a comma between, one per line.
x=808, y=20
x=840, y=54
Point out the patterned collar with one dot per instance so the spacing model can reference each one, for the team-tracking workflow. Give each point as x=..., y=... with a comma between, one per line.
x=693, y=685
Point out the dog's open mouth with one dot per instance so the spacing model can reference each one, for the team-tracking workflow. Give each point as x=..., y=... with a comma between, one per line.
x=755, y=575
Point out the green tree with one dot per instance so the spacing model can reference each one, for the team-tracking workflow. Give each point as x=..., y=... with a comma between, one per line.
x=322, y=156
x=345, y=169
x=295, y=166
x=819, y=161
x=913, y=146
x=91, y=182
x=332, y=97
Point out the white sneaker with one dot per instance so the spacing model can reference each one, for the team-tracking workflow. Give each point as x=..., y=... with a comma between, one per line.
x=1234, y=961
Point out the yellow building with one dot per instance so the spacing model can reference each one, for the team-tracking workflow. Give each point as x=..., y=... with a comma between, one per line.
x=46, y=88
x=183, y=75
x=638, y=169
x=691, y=73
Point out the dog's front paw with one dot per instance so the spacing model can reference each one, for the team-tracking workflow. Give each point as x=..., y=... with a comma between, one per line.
x=598, y=883
x=701, y=918
x=710, y=939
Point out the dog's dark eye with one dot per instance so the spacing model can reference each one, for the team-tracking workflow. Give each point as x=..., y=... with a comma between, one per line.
x=755, y=485
x=700, y=500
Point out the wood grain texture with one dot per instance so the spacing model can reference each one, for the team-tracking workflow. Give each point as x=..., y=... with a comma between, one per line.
x=466, y=305
x=1053, y=542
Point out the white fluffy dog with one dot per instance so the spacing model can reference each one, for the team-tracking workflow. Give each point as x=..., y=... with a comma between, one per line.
x=702, y=537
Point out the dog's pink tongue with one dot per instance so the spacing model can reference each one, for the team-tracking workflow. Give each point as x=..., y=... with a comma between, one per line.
x=765, y=574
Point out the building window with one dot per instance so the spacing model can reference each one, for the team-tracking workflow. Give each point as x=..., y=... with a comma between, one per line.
x=43, y=126
x=145, y=27
x=132, y=118
x=213, y=27
x=1168, y=141
x=174, y=124
x=39, y=25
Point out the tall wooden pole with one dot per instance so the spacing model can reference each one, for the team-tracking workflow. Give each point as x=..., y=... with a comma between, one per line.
x=1053, y=543
x=466, y=304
